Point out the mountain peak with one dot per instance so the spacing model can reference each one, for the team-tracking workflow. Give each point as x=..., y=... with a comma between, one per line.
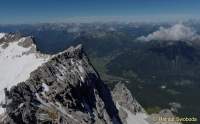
x=9, y=37
x=61, y=88
x=72, y=52
x=65, y=89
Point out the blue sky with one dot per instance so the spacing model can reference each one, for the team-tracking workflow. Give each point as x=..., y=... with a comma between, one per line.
x=34, y=11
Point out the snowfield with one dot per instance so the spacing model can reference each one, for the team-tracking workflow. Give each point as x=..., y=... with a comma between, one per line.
x=16, y=64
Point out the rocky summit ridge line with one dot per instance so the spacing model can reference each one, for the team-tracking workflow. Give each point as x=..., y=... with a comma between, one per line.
x=66, y=89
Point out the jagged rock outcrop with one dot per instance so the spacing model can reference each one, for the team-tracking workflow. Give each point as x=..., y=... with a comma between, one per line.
x=9, y=37
x=130, y=111
x=124, y=98
x=64, y=90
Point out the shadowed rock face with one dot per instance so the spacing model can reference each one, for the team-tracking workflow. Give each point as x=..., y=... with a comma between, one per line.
x=64, y=90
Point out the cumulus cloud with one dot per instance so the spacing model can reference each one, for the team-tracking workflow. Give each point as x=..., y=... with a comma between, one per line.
x=178, y=32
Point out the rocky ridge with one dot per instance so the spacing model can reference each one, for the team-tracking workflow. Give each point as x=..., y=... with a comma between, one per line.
x=65, y=89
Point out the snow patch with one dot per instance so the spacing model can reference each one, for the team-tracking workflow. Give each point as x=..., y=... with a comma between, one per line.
x=2, y=35
x=15, y=66
x=82, y=78
x=46, y=87
x=21, y=105
x=80, y=68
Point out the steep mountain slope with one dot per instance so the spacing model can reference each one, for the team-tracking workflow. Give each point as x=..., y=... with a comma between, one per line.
x=165, y=70
x=64, y=88
x=72, y=95
x=18, y=58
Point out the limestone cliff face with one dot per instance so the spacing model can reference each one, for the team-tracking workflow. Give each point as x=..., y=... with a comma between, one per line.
x=64, y=90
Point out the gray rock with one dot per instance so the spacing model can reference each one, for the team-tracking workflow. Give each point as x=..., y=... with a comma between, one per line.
x=65, y=90
x=27, y=42
x=123, y=97
x=10, y=38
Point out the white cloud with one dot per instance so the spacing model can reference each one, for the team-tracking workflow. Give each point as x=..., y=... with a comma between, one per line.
x=175, y=33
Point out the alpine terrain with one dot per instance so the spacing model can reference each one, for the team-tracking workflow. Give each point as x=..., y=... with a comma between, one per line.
x=62, y=89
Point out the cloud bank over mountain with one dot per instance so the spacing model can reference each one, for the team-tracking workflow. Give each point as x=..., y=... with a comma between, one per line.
x=178, y=32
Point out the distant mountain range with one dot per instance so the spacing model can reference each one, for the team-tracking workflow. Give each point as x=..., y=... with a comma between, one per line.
x=152, y=70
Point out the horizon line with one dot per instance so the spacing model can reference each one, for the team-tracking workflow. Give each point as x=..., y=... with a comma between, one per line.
x=109, y=19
